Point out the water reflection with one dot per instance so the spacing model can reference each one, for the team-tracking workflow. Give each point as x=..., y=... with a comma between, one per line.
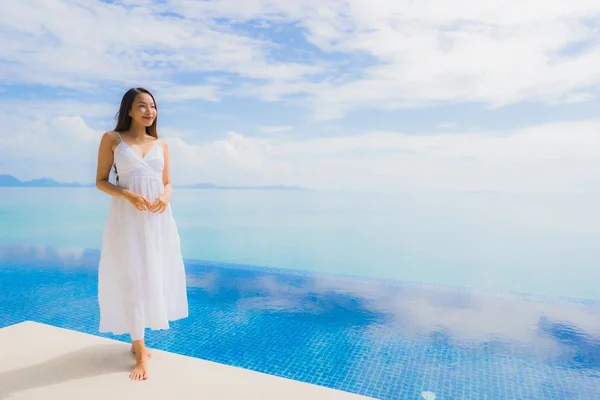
x=549, y=328
x=382, y=339
x=47, y=256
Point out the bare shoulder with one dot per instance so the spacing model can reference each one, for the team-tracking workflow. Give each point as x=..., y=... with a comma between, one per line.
x=110, y=139
x=162, y=143
x=110, y=136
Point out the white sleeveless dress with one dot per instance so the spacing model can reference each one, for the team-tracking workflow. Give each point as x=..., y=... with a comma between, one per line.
x=141, y=276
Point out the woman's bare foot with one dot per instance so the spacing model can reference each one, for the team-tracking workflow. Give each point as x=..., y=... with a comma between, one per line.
x=140, y=371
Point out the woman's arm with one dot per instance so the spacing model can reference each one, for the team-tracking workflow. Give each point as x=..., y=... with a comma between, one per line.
x=160, y=204
x=167, y=193
x=105, y=163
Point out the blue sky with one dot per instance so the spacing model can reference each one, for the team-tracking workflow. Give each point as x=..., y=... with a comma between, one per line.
x=355, y=94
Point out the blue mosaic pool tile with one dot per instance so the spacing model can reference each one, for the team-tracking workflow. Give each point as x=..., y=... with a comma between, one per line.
x=387, y=340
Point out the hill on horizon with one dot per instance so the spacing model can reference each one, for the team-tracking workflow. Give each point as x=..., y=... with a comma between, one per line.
x=7, y=180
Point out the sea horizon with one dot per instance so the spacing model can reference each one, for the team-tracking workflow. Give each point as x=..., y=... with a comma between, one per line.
x=541, y=245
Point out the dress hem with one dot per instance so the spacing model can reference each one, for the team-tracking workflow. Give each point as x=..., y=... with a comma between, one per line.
x=121, y=332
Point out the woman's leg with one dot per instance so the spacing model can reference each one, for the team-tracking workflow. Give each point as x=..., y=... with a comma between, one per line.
x=138, y=347
x=148, y=352
x=140, y=371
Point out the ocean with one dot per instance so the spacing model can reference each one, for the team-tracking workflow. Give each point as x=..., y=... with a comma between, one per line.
x=543, y=244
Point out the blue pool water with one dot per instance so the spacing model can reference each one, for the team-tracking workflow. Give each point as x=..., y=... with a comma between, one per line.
x=379, y=338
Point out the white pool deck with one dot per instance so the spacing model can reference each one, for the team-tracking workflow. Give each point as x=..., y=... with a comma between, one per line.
x=40, y=361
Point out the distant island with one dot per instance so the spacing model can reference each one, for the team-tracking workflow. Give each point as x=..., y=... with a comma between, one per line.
x=11, y=181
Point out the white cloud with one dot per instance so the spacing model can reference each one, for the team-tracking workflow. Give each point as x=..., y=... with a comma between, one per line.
x=60, y=147
x=419, y=311
x=229, y=161
x=414, y=54
x=557, y=157
x=185, y=93
x=81, y=44
x=548, y=158
x=490, y=51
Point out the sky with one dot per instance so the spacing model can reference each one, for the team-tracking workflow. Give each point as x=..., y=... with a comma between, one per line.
x=360, y=95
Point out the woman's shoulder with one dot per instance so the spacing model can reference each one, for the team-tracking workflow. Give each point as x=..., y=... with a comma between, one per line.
x=162, y=143
x=110, y=139
x=111, y=135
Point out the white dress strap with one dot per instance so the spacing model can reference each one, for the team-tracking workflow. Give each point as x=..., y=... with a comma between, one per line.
x=115, y=164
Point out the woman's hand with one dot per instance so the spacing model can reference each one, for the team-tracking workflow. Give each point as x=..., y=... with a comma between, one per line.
x=159, y=205
x=137, y=201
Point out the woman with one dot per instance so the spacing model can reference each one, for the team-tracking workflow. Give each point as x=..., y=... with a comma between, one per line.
x=141, y=277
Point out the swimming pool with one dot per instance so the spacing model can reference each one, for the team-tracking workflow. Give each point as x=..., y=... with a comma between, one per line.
x=380, y=338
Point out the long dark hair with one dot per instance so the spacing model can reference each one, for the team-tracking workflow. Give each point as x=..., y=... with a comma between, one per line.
x=123, y=118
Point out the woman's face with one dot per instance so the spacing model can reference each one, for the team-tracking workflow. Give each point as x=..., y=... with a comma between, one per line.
x=143, y=110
